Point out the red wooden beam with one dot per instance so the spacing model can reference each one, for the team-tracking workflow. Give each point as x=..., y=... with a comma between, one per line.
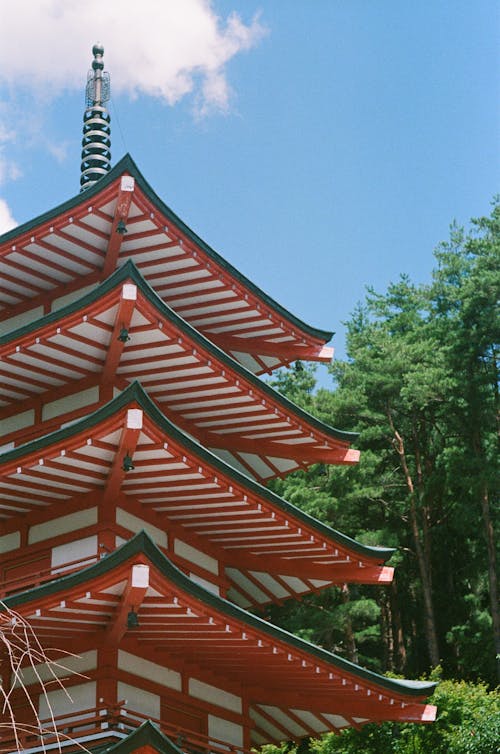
x=132, y=599
x=126, y=447
x=123, y=319
x=287, y=349
x=122, y=210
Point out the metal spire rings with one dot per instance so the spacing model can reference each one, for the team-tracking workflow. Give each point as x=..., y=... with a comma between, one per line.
x=96, y=142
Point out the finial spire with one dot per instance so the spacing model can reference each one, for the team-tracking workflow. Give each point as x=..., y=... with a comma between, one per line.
x=96, y=142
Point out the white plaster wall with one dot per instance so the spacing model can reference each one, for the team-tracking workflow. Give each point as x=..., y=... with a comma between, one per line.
x=135, y=524
x=63, y=668
x=62, y=525
x=8, y=325
x=139, y=700
x=77, y=550
x=18, y=421
x=225, y=730
x=208, y=693
x=58, y=303
x=70, y=403
x=10, y=542
x=208, y=585
x=183, y=550
x=81, y=697
x=157, y=673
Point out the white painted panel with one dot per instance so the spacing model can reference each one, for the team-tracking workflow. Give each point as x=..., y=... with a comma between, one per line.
x=63, y=668
x=73, y=296
x=234, y=596
x=296, y=584
x=135, y=524
x=248, y=586
x=214, y=695
x=280, y=734
x=319, y=584
x=77, y=550
x=134, y=418
x=271, y=584
x=62, y=525
x=70, y=403
x=224, y=730
x=183, y=550
x=311, y=720
x=64, y=702
x=18, y=421
x=144, y=668
x=10, y=542
x=139, y=700
x=25, y=318
x=283, y=464
x=208, y=585
x=283, y=719
x=337, y=720
x=6, y=447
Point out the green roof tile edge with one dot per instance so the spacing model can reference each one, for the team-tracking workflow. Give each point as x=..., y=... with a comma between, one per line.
x=142, y=544
x=136, y=393
x=127, y=164
x=145, y=734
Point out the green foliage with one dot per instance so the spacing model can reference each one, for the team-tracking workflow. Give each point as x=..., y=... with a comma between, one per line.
x=421, y=386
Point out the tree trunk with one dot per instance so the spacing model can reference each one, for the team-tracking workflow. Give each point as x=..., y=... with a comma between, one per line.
x=422, y=560
x=350, y=641
x=400, y=648
x=387, y=632
x=492, y=573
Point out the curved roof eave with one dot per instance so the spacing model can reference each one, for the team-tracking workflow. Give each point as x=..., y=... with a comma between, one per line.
x=142, y=544
x=129, y=270
x=135, y=392
x=127, y=164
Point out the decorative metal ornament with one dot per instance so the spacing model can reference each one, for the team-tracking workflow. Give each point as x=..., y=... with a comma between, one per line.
x=127, y=463
x=132, y=619
x=96, y=142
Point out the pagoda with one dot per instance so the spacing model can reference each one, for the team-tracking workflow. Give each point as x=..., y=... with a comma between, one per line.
x=137, y=536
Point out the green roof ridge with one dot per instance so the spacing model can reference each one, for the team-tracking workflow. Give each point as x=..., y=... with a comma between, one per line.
x=146, y=733
x=142, y=543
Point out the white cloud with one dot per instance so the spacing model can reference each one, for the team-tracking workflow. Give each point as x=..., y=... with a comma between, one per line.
x=7, y=222
x=162, y=48
x=166, y=49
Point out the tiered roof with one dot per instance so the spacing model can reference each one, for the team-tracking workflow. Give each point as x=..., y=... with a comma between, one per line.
x=79, y=243
x=128, y=368
x=294, y=688
x=122, y=331
x=270, y=549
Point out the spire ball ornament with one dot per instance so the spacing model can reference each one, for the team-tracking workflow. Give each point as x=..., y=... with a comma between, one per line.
x=96, y=142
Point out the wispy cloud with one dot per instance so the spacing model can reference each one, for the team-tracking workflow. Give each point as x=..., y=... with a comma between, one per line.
x=7, y=222
x=162, y=49
x=158, y=48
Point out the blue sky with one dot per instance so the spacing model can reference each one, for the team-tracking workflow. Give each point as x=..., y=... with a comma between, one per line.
x=341, y=141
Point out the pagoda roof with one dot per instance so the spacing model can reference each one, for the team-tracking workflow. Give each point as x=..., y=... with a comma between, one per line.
x=76, y=244
x=198, y=385
x=146, y=735
x=181, y=622
x=271, y=550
